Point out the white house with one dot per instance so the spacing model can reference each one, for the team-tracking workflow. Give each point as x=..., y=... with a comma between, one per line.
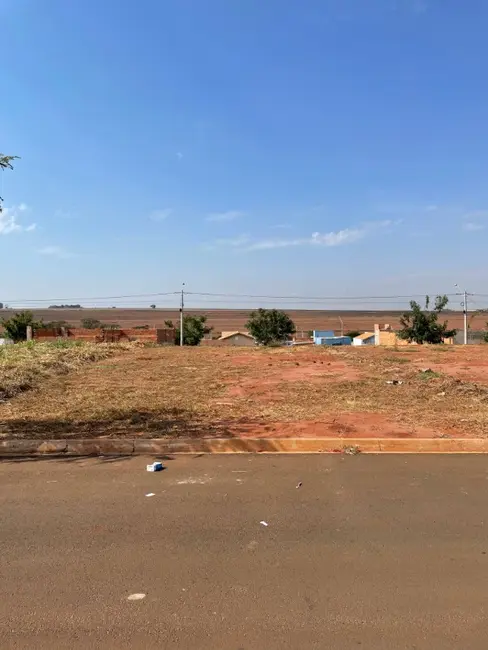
x=366, y=338
x=237, y=338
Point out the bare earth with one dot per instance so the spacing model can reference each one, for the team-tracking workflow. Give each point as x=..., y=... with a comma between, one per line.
x=307, y=392
x=235, y=319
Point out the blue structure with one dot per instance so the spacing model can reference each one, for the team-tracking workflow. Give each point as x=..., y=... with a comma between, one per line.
x=318, y=335
x=334, y=340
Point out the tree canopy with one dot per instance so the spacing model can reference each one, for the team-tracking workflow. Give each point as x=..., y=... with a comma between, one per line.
x=5, y=163
x=270, y=326
x=422, y=325
x=194, y=329
x=15, y=328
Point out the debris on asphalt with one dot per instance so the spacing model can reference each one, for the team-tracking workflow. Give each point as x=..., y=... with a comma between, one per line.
x=263, y=523
x=151, y=494
x=136, y=596
x=299, y=485
x=395, y=382
x=155, y=467
x=351, y=450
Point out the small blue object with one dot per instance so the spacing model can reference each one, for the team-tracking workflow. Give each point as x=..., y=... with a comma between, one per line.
x=155, y=467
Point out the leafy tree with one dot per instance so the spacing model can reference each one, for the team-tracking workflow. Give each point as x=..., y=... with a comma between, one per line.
x=422, y=325
x=15, y=328
x=485, y=335
x=91, y=323
x=5, y=163
x=270, y=326
x=194, y=329
x=153, y=306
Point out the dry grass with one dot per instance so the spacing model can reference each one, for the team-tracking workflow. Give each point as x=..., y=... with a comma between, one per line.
x=27, y=365
x=152, y=392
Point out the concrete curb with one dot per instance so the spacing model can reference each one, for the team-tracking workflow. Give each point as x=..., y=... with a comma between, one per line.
x=167, y=446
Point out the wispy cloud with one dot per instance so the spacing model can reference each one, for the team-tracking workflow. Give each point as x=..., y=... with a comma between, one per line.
x=55, y=251
x=179, y=155
x=230, y=215
x=339, y=238
x=9, y=220
x=475, y=220
x=160, y=215
x=329, y=239
x=472, y=226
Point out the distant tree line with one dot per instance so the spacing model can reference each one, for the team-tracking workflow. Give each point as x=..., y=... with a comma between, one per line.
x=65, y=307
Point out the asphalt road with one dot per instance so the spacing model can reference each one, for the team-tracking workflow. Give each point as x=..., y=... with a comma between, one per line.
x=370, y=552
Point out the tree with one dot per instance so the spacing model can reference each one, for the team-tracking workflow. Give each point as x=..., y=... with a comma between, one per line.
x=5, y=163
x=194, y=329
x=153, y=306
x=270, y=326
x=422, y=326
x=15, y=328
x=485, y=335
x=91, y=323
x=64, y=307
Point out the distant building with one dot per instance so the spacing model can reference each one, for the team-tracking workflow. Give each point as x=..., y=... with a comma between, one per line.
x=386, y=336
x=334, y=340
x=237, y=338
x=366, y=338
x=318, y=335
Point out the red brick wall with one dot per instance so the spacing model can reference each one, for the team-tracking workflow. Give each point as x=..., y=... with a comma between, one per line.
x=151, y=335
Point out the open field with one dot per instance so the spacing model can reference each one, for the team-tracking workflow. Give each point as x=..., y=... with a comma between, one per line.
x=235, y=319
x=307, y=392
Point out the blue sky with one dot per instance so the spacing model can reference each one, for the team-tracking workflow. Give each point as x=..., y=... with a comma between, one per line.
x=313, y=148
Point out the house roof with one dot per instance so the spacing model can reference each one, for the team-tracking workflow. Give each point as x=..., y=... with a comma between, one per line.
x=365, y=335
x=228, y=335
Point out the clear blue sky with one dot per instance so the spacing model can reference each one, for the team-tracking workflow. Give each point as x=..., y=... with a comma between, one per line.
x=320, y=147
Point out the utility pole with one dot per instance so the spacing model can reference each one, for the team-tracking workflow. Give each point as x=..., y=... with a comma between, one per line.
x=342, y=326
x=464, y=305
x=182, y=306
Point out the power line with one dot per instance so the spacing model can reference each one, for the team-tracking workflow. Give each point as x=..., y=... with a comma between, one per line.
x=236, y=295
x=54, y=300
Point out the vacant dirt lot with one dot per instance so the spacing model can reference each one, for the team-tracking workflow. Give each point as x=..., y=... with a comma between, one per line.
x=314, y=392
x=235, y=319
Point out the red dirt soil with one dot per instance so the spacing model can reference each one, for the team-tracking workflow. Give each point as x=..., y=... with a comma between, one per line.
x=345, y=425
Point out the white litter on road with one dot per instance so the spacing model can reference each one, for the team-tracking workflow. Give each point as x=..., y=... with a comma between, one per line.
x=263, y=523
x=151, y=494
x=155, y=467
x=136, y=596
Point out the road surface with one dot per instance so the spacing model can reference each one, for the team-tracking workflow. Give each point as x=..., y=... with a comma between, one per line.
x=370, y=552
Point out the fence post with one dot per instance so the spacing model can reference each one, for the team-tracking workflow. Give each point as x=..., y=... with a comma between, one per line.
x=29, y=333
